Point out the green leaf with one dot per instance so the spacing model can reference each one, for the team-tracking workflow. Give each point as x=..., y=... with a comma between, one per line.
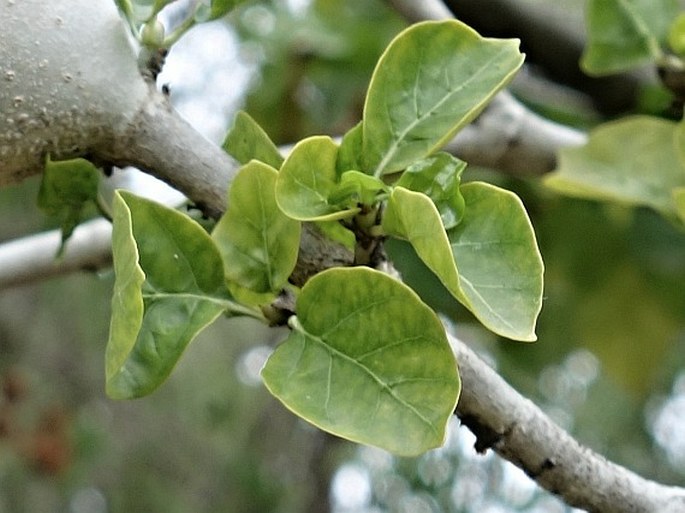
x=350, y=151
x=169, y=286
x=338, y=233
x=623, y=34
x=307, y=178
x=438, y=177
x=631, y=161
x=500, y=266
x=356, y=188
x=65, y=189
x=368, y=361
x=257, y=241
x=490, y=262
x=433, y=79
x=247, y=141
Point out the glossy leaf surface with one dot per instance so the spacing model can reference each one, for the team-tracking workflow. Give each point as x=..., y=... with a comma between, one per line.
x=368, y=361
x=307, y=178
x=438, y=177
x=433, y=79
x=490, y=262
x=169, y=286
x=257, y=241
x=631, y=161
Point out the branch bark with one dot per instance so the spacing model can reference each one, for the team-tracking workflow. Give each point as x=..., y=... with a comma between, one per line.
x=520, y=432
x=510, y=138
x=33, y=258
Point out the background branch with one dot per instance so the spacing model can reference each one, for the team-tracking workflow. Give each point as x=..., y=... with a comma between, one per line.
x=510, y=138
x=33, y=258
x=552, y=37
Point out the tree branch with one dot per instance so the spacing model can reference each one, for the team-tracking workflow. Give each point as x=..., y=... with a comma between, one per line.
x=520, y=432
x=32, y=258
x=509, y=137
x=163, y=144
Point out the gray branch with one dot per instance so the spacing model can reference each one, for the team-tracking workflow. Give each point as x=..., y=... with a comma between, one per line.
x=510, y=138
x=520, y=432
x=33, y=258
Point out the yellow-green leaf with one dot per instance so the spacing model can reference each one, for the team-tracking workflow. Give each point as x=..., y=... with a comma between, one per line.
x=368, y=361
x=257, y=241
x=433, y=79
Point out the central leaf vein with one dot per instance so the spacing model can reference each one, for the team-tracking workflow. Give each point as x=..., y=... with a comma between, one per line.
x=392, y=150
x=379, y=380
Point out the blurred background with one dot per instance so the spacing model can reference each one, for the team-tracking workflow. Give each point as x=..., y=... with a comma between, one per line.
x=609, y=364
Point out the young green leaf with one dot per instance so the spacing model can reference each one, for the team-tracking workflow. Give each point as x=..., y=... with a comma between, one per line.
x=247, y=141
x=500, y=266
x=433, y=79
x=489, y=262
x=338, y=233
x=307, y=178
x=438, y=177
x=66, y=187
x=258, y=243
x=633, y=161
x=623, y=34
x=350, y=151
x=169, y=286
x=356, y=188
x=368, y=361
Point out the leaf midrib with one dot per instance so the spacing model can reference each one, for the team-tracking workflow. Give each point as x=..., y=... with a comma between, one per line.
x=420, y=119
x=384, y=386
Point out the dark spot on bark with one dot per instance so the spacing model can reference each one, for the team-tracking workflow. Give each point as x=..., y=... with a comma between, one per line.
x=486, y=437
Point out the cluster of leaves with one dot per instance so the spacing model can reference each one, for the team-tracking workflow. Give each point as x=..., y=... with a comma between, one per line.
x=638, y=160
x=366, y=359
x=142, y=18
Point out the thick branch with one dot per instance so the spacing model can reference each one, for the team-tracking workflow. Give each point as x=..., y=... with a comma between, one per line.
x=161, y=143
x=155, y=139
